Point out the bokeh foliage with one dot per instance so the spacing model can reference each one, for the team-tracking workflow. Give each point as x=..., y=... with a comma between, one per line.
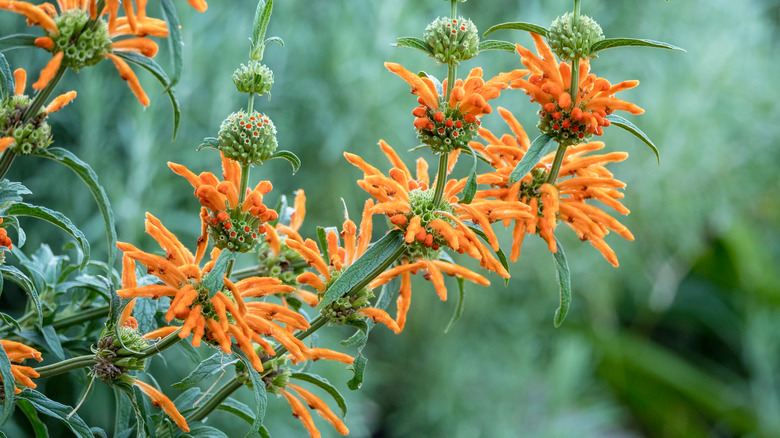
x=681, y=340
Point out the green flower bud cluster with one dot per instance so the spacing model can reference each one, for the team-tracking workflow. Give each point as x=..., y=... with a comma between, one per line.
x=568, y=41
x=344, y=309
x=112, y=360
x=428, y=243
x=29, y=135
x=247, y=138
x=452, y=40
x=286, y=266
x=446, y=130
x=82, y=45
x=253, y=78
x=558, y=124
x=531, y=190
x=235, y=230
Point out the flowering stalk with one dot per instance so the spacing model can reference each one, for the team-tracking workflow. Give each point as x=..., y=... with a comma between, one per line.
x=66, y=365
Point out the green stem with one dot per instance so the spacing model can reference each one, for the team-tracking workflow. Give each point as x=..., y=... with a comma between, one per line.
x=556, y=166
x=441, y=178
x=166, y=342
x=82, y=316
x=574, y=88
x=251, y=103
x=5, y=161
x=64, y=366
x=43, y=95
x=453, y=8
x=229, y=268
x=244, y=183
x=222, y=393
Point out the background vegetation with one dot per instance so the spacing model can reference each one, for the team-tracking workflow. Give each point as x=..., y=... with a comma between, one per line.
x=681, y=340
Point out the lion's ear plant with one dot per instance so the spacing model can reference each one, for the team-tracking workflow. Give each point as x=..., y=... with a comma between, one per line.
x=258, y=322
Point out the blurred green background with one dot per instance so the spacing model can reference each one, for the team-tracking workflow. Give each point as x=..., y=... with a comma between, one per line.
x=680, y=341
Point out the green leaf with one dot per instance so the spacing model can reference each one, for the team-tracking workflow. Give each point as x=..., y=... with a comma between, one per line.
x=175, y=42
x=133, y=393
x=367, y=267
x=25, y=283
x=90, y=178
x=290, y=157
x=209, y=142
x=533, y=28
x=500, y=253
x=322, y=237
x=6, y=79
x=564, y=283
x=414, y=43
x=630, y=127
x=8, y=388
x=324, y=384
x=214, y=281
x=7, y=318
x=258, y=387
x=11, y=191
x=124, y=412
x=153, y=68
x=471, y=183
x=459, y=308
x=439, y=90
x=358, y=368
x=53, y=341
x=57, y=410
x=38, y=427
x=274, y=39
x=144, y=313
x=201, y=430
x=535, y=152
x=55, y=218
x=209, y=367
x=17, y=41
x=633, y=42
x=238, y=409
x=495, y=45
x=259, y=27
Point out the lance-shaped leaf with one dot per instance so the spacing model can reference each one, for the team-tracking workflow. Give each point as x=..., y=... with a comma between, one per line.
x=153, y=68
x=459, y=308
x=324, y=384
x=630, y=127
x=259, y=27
x=495, y=45
x=414, y=43
x=209, y=142
x=535, y=152
x=214, y=281
x=55, y=218
x=258, y=388
x=175, y=43
x=90, y=178
x=8, y=387
x=59, y=411
x=322, y=237
x=518, y=26
x=293, y=159
x=17, y=41
x=209, y=367
x=39, y=428
x=630, y=42
x=141, y=415
x=11, y=191
x=26, y=284
x=6, y=79
x=470, y=189
x=124, y=412
x=367, y=267
x=53, y=341
x=563, y=275
x=238, y=409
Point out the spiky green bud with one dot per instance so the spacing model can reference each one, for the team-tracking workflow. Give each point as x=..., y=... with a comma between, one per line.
x=568, y=41
x=247, y=138
x=29, y=135
x=452, y=40
x=253, y=78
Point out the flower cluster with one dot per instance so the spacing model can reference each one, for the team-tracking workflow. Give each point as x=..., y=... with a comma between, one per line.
x=18, y=352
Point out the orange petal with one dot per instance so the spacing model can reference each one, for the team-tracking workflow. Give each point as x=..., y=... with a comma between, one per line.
x=126, y=73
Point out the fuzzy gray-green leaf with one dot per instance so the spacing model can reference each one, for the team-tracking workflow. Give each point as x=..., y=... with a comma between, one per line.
x=414, y=43
x=630, y=127
x=495, y=45
x=631, y=42
x=290, y=157
x=532, y=156
x=564, y=283
x=518, y=26
x=8, y=388
x=209, y=367
x=17, y=41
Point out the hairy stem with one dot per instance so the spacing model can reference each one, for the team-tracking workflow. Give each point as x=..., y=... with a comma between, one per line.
x=81, y=316
x=166, y=342
x=66, y=365
x=556, y=166
x=222, y=393
x=441, y=178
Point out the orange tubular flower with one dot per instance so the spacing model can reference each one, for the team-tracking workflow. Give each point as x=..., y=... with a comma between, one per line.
x=408, y=202
x=219, y=317
x=581, y=177
x=446, y=126
x=314, y=402
x=75, y=44
x=232, y=226
x=161, y=400
x=355, y=244
x=565, y=115
x=4, y=239
x=17, y=352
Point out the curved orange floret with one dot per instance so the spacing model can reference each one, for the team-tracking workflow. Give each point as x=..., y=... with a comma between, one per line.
x=161, y=400
x=549, y=84
x=17, y=352
x=582, y=176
